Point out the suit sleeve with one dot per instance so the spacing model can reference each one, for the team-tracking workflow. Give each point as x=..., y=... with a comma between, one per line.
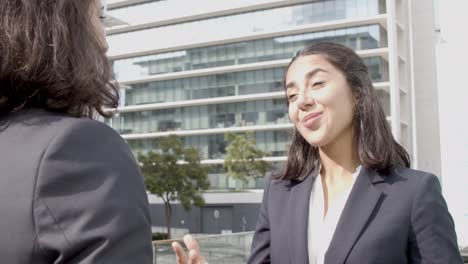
x=260, y=252
x=90, y=202
x=433, y=238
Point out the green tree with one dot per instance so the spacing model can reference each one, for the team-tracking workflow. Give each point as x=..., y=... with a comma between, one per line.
x=175, y=173
x=243, y=158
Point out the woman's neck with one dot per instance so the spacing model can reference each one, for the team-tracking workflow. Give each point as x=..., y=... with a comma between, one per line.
x=339, y=159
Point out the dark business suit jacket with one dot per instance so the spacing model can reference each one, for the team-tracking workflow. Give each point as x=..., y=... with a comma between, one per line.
x=70, y=192
x=398, y=218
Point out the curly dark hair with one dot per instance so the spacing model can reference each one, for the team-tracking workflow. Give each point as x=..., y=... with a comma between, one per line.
x=52, y=58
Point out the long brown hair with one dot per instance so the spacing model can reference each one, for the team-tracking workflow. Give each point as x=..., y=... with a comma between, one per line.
x=51, y=58
x=377, y=148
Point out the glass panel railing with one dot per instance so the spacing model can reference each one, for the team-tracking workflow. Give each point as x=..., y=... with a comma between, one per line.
x=273, y=142
x=224, y=84
x=261, y=50
x=229, y=249
x=239, y=25
x=160, y=11
x=241, y=114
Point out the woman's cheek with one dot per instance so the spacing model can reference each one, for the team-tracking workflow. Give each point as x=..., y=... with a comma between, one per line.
x=292, y=111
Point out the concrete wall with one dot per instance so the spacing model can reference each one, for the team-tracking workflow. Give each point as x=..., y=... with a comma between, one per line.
x=425, y=84
x=211, y=219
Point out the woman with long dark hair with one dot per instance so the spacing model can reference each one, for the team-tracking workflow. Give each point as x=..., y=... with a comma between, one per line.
x=70, y=189
x=347, y=194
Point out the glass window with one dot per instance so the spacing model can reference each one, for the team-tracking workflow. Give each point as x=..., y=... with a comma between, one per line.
x=233, y=26
x=252, y=113
x=275, y=143
x=369, y=37
x=220, y=181
x=227, y=84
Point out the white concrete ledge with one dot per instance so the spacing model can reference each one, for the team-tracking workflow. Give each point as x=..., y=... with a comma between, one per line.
x=210, y=131
x=217, y=100
x=287, y=31
x=197, y=16
x=197, y=102
x=267, y=159
x=382, y=52
x=212, y=197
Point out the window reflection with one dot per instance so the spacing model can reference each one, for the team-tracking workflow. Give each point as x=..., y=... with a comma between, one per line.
x=219, y=85
x=359, y=38
x=274, y=143
x=160, y=10
x=218, y=178
x=239, y=25
x=228, y=84
x=262, y=112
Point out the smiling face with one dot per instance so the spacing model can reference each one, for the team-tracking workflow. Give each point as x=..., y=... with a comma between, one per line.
x=321, y=103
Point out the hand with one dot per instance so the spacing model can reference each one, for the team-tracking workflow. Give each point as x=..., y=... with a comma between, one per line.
x=194, y=256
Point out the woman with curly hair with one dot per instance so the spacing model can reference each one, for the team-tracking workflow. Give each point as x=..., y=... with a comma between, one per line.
x=70, y=189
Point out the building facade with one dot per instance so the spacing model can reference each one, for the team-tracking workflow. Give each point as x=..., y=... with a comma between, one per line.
x=202, y=68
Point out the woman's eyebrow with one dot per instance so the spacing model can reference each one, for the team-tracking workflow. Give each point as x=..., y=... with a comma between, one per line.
x=290, y=85
x=313, y=72
x=307, y=76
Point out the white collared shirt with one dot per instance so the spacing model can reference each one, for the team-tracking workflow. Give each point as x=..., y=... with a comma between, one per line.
x=320, y=230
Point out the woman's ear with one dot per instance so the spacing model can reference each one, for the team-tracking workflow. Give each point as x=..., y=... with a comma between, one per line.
x=355, y=100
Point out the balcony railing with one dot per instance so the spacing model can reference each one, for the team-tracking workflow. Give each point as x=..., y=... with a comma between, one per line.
x=229, y=249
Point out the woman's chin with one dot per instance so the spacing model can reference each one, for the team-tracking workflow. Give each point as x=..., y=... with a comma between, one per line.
x=315, y=138
x=316, y=142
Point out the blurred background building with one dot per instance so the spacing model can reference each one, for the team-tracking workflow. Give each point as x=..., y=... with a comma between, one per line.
x=202, y=68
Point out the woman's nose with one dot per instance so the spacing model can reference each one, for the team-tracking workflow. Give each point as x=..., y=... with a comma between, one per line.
x=305, y=99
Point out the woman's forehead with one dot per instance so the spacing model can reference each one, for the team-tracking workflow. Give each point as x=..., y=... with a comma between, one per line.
x=309, y=63
x=100, y=4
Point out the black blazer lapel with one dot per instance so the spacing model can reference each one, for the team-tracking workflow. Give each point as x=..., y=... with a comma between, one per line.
x=298, y=213
x=361, y=203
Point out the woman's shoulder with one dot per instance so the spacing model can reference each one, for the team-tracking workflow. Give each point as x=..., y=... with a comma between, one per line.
x=408, y=178
x=40, y=127
x=87, y=131
x=39, y=119
x=411, y=174
x=53, y=120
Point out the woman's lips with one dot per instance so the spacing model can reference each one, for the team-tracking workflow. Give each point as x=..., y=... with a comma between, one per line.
x=310, y=119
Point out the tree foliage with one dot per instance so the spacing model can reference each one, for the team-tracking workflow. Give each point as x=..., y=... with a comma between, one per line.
x=175, y=173
x=243, y=158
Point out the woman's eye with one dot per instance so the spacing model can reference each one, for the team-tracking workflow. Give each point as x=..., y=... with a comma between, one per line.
x=102, y=13
x=317, y=84
x=292, y=97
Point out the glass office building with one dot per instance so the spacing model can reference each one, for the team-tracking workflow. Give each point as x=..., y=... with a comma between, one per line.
x=202, y=68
